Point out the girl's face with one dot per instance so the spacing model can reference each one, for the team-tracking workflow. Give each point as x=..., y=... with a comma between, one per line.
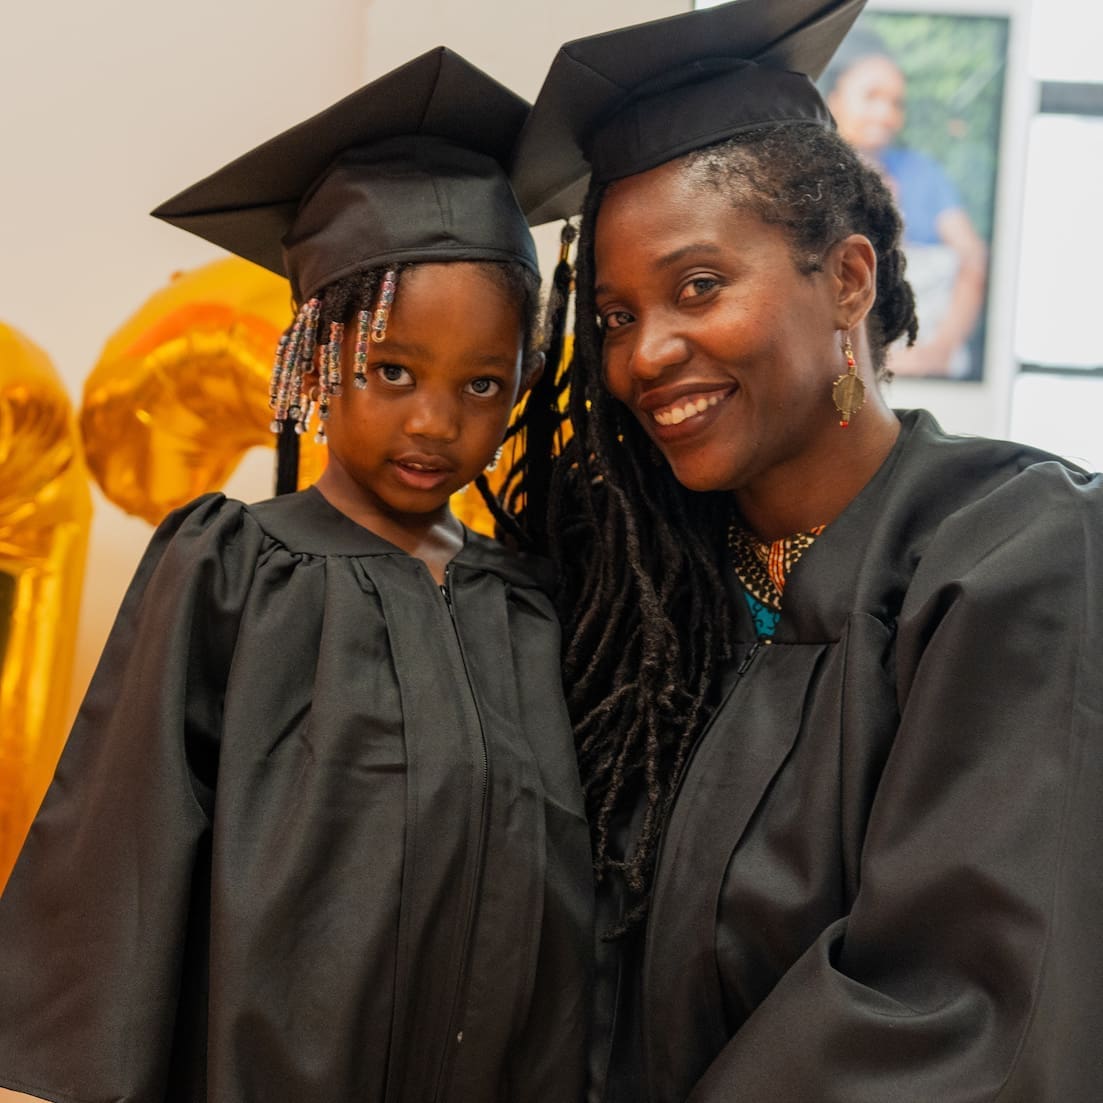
x=440, y=389
x=868, y=103
x=722, y=350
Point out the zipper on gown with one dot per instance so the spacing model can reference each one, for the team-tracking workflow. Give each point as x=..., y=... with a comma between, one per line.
x=454, y=1036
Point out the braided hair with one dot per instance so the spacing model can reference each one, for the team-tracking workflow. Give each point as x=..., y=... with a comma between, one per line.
x=640, y=557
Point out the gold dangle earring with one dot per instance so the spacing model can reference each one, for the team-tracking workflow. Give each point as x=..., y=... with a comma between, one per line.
x=848, y=391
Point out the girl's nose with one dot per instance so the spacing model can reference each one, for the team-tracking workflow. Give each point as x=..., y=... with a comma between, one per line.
x=433, y=417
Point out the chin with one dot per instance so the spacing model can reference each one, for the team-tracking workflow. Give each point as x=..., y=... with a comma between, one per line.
x=694, y=477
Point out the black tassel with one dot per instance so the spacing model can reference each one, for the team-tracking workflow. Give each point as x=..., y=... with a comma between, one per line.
x=542, y=414
x=287, y=459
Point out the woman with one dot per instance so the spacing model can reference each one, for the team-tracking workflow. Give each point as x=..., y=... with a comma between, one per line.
x=834, y=674
x=947, y=259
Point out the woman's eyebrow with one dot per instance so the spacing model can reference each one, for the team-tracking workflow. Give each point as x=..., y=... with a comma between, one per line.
x=675, y=255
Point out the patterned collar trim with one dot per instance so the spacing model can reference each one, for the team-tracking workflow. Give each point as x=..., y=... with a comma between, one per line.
x=763, y=567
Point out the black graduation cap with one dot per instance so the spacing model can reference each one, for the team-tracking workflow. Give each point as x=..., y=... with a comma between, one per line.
x=412, y=167
x=628, y=100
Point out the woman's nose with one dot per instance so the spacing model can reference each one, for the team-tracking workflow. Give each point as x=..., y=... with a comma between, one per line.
x=658, y=345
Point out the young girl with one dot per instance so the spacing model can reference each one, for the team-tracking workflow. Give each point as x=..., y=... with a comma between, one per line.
x=317, y=834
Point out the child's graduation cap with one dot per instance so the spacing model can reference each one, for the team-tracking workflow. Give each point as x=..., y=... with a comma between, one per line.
x=626, y=101
x=412, y=167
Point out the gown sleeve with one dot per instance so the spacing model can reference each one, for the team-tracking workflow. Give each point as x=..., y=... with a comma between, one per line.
x=970, y=967
x=94, y=920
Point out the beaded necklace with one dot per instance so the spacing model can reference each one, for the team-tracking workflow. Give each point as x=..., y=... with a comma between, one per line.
x=763, y=566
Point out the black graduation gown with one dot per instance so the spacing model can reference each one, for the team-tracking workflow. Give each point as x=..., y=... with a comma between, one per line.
x=881, y=879
x=310, y=839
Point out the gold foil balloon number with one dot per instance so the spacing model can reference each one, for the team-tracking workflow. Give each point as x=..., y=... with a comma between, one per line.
x=45, y=508
x=180, y=392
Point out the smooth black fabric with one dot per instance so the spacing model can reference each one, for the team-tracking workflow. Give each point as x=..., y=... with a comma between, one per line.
x=401, y=201
x=309, y=840
x=881, y=879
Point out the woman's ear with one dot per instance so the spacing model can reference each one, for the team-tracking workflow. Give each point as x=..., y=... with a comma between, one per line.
x=534, y=368
x=854, y=265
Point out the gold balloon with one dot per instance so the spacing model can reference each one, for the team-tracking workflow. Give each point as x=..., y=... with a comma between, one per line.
x=45, y=509
x=180, y=392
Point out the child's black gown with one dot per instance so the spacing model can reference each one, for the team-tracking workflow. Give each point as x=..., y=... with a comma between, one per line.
x=317, y=834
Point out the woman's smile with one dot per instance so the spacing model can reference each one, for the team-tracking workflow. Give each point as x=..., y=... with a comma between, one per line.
x=684, y=409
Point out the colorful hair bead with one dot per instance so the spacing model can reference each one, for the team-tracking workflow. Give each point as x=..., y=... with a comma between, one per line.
x=295, y=348
x=331, y=360
x=383, y=305
x=363, y=329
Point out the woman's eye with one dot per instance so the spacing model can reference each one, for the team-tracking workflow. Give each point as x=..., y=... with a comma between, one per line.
x=395, y=374
x=699, y=285
x=485, y=387
x=614, y=319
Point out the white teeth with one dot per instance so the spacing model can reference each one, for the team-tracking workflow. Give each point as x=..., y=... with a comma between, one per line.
x=675, y=415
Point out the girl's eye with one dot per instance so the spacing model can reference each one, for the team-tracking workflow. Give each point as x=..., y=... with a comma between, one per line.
x=699, y=285
x=614, y=319
x=394, y=374
x=485, y=387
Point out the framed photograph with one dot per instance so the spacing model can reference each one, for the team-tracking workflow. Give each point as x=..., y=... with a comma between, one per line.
x=920, y=96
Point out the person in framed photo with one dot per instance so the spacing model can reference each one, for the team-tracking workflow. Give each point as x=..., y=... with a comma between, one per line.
x=866, y=90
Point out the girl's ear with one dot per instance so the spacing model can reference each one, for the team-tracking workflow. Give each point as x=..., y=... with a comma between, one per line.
x=854, y=266
x=534, y=368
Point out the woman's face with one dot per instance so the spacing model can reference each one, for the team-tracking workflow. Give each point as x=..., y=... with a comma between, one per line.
x=868, y=103
x=719, y=346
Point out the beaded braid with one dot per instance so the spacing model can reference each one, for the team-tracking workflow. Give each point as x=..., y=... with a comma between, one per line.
x=639, y=556
x=319, y=324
